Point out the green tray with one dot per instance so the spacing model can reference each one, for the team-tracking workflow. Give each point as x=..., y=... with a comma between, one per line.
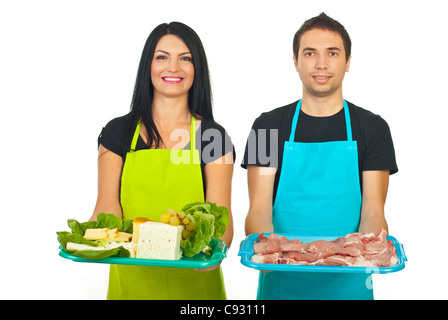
x=199, y=261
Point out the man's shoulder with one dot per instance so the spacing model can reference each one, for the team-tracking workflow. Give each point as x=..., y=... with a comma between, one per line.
x=369, y=124
x=277, y=115
x=363, y=115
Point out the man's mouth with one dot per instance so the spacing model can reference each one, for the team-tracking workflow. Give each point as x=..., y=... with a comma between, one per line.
x=321, y=78
x=172, y=80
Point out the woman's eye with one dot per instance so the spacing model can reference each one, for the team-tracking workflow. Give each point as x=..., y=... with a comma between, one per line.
x=161, y=57
x=186, y=59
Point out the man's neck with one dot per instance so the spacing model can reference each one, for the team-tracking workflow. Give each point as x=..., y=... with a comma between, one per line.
x=322, y=106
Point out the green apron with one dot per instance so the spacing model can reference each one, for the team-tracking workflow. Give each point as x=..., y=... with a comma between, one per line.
x=152, y=181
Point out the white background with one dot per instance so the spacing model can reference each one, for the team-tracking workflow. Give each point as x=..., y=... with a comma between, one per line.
x=68, y=67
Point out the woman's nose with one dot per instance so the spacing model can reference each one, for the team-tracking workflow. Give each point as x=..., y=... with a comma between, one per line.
x=173, y=65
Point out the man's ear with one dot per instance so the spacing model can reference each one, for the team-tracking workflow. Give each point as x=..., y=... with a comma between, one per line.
x=347, y=67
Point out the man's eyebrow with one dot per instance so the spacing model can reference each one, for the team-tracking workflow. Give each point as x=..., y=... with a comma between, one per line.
x=308, y=49
x=314, y=49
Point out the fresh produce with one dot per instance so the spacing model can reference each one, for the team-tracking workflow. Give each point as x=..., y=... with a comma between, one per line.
x=175, y=218
x=105, y=221
x=203, y=220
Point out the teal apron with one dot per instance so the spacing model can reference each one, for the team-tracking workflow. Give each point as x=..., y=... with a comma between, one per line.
x=318, y=194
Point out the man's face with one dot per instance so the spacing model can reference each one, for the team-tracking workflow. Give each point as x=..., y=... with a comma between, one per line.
x=321, y=62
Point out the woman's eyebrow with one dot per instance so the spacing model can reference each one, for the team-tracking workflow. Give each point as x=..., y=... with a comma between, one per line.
x=167, y=53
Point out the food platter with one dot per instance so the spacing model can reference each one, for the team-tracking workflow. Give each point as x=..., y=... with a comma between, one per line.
x=247, y=251
x=199, y=261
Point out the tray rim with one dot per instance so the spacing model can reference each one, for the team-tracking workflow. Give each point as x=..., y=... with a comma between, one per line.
x=246, y=252
x=216, y=258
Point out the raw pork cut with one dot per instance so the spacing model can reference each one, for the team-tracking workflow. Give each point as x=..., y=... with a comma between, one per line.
x=355, y=249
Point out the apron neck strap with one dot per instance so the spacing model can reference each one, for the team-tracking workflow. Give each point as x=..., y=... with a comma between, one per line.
x=136, y=134
x=296, y=117
x=192, y=134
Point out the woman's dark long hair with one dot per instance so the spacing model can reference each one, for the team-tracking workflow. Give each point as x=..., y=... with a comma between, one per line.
x=200, y=94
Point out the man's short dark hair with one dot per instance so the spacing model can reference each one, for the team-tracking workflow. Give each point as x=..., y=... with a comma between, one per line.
x=323, y=22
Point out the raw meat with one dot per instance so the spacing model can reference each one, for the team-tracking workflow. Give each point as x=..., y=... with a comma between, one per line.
x=355, y=249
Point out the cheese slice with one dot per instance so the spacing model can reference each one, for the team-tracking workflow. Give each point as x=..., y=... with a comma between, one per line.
x=96, y=234
x=112, y=233
x=80, y=247
x=159, y=240
x=122, y=236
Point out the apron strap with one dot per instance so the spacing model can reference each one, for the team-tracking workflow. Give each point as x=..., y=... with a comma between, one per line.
x=348, y=123
x=136, y=134
x=193, y=134
x=296, y=117
x=294, y=121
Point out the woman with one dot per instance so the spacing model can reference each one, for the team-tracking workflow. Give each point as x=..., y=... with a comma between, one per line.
x=170, y=112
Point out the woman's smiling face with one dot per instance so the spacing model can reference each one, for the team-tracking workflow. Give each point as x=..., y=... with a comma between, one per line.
x=172, y=70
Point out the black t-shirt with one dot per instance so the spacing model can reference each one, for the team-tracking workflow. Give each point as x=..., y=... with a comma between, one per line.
x=212, y=140
x=374, y=140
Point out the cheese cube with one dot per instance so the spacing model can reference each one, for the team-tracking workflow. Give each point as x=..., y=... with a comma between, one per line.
x=136, y=228
x=159, y=240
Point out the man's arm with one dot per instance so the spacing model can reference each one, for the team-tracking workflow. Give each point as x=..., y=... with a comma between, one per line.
x=375, y=185
x=261, y=187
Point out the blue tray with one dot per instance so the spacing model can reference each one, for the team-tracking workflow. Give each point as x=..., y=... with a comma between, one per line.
x=199, y=261
x=247, y=251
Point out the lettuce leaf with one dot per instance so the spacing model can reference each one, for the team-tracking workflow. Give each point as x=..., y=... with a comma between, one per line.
x=104, y=220
x=210, y=222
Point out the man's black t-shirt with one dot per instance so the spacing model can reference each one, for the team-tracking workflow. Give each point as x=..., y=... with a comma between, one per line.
x=271, y=129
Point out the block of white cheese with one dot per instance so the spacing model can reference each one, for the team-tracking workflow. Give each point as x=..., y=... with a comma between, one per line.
x=159, y=240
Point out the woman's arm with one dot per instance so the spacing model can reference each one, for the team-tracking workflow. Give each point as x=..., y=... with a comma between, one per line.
x=110, y=166
x=218, y=177
x=375, y=185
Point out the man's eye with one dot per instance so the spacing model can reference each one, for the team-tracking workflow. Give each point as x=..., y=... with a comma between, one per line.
x=308, y=54
x=333, y=54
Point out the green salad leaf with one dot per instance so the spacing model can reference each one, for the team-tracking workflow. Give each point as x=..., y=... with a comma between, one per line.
x=210, y=222
x=104, y=220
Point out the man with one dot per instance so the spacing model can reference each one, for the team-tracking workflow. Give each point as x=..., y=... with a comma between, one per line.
x=328, y=167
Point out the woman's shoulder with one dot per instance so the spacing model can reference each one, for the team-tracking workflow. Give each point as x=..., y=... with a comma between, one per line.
x=118, y=123
x=214, y=137
x=115, y=135
x=211, y=124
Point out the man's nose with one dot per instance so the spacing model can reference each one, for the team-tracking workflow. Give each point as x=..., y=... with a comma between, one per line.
x=321, y=62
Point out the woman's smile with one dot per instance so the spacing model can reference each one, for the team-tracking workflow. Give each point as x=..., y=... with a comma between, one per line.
x=172, y=80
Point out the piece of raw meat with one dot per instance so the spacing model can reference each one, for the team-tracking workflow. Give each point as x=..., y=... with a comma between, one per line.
x=355, y=249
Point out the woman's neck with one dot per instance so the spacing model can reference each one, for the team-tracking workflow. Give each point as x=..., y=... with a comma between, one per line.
x=168, y=111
